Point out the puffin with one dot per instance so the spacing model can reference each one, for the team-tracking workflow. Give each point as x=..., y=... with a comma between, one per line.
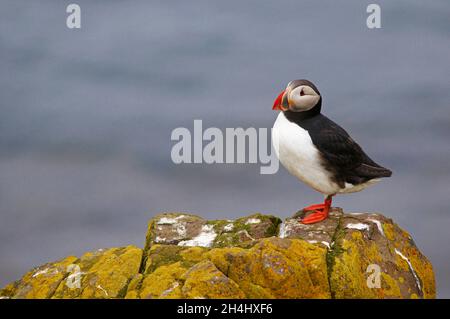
x=318, y=151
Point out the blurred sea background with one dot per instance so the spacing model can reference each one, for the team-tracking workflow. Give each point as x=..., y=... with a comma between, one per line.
x=86, y=115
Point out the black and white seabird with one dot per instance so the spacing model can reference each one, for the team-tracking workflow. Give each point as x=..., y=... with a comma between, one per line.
x=318, y=151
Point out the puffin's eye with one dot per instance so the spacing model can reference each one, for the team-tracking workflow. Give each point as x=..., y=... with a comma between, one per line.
x=301, y=92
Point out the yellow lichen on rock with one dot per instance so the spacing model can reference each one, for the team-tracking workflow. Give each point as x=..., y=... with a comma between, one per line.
x=410, y=259
x=185, y=256
x=41, y=282
x=102, y=274
x=364, y=253
x=134, y=287
x=164, y=282
x=276, y=268
x=109, y=276
x=272, y=268
x=424, y=271
x=292, y=268
x=204, y=280
x=348, y=277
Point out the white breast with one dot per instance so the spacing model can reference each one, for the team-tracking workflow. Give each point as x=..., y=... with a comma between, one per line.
x=296, y=151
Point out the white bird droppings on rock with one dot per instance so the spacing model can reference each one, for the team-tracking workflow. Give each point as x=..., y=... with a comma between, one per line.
x=159, y=239
x=282, y=231
x=204, y=239
x=228, y=227
x=359, y=226
x=168, y=220
x=170, y=289
x=103, y=289
x=378, y=223
x=181, y=230
x=41, y=272
x=410, y=267
x=253, y=221
x=245, y=234
x=325, y=243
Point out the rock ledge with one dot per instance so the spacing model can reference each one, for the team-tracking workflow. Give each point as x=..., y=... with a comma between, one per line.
x=361, y=255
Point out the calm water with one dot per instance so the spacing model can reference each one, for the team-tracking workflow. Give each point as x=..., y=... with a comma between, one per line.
x=86, y=115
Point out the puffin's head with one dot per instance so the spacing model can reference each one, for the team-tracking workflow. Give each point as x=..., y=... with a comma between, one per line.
x=299, y=96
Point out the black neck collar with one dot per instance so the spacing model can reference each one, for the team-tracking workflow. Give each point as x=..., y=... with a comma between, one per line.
x=298, y=116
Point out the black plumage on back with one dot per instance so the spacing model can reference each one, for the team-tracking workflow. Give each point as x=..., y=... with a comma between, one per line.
x=341, y=155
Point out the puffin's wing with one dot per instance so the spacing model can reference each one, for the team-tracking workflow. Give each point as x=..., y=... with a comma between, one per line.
x=346, y=158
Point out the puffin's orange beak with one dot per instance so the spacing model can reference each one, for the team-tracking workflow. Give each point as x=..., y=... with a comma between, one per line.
x=278, y=103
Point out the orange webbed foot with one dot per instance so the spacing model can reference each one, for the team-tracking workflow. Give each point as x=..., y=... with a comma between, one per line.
x=320, y=212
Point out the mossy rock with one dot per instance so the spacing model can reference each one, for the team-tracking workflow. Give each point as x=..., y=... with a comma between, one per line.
x=185, y=256
x=271, y=268
x=97, y=274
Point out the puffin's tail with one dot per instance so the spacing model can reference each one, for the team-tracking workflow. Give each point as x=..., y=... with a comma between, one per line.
x=373, y=171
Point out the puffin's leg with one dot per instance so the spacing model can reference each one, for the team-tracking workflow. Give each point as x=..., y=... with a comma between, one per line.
x=314, y=207
x=320, y=211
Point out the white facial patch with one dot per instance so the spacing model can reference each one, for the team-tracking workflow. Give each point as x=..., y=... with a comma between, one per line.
x=303, y=98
